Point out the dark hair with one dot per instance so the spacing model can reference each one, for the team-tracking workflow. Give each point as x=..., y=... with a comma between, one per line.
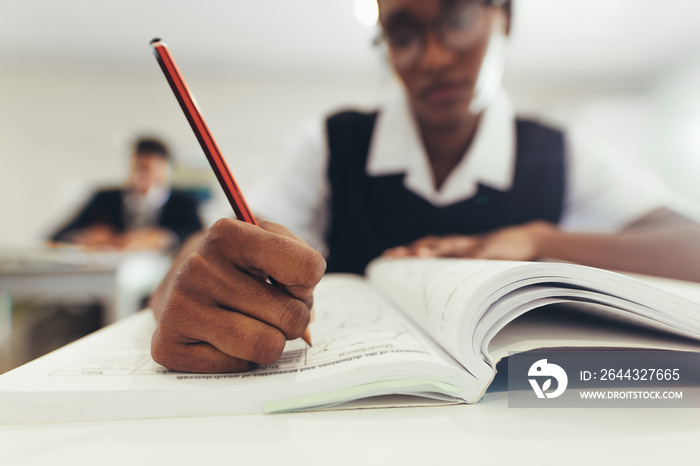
x=151, y=146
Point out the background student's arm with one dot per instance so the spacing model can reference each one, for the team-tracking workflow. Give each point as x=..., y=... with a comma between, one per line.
x=180, y=217
x=97, y=207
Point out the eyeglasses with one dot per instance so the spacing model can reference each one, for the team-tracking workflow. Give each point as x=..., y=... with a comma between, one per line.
x=459, y=27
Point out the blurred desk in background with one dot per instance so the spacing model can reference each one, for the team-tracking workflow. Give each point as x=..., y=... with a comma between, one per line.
x=49, y=297
x=117, y=280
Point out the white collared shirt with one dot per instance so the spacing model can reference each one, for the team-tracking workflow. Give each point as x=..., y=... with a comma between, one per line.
x=143, y=210
x=603, y=192
x=489, y=160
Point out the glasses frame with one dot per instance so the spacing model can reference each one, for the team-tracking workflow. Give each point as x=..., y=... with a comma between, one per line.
x=433, y=26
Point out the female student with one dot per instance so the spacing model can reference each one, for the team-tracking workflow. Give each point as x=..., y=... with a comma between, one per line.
x=443, y=170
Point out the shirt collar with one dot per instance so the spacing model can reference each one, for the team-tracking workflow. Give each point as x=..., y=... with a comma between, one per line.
x=154, y=199
x=396, y=148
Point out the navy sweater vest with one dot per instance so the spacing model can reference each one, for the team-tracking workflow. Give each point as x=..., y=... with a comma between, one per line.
x=371, y=214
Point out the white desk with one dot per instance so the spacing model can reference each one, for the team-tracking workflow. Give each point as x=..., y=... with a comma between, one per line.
x=117, y=280
x=486, y=433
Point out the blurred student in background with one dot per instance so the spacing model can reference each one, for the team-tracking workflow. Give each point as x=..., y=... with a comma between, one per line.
x=445, y=169
x=144, y=214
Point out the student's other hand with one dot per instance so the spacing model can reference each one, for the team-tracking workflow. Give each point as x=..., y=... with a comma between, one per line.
x=219, y=313
x=520, y=242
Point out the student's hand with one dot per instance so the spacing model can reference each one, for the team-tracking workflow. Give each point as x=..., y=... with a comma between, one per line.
x=520, y=242
x=147, y=238
x=96, y=236
x=219, y=313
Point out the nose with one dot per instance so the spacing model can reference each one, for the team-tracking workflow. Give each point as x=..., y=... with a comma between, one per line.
x=436, y=56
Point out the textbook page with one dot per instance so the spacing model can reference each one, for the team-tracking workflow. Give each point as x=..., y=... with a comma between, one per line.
x=362, y=347
x=444, y=296
x=580, y=325
x=462, y=303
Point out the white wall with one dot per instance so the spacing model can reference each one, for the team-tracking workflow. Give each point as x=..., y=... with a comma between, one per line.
x=65, y=128
x=677, y=119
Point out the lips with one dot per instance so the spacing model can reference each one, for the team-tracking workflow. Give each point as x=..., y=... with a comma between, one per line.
x=444, y=91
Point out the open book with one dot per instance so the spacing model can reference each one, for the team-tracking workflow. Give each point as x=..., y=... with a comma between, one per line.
x=434, y=328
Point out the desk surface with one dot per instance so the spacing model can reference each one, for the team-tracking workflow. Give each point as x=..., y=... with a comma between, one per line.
x=118, y=279
x=488, y=432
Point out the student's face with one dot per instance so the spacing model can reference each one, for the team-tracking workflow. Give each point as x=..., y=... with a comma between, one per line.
x=436, y=48
x=147, y=170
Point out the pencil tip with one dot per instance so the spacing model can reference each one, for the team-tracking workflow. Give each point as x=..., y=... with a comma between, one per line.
x=155, y=39
x=307, y=337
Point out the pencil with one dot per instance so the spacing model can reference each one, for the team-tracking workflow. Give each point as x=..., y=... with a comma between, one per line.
x=206, y=140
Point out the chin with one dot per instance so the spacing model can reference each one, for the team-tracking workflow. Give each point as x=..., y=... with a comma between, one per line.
x=448, y=117
x=448, y=113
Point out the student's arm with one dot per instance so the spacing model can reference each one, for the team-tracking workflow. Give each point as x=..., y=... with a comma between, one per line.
x=95, y=208
x=661, y=243
x=180, y=217
x=146, y=238
x=216, y=312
